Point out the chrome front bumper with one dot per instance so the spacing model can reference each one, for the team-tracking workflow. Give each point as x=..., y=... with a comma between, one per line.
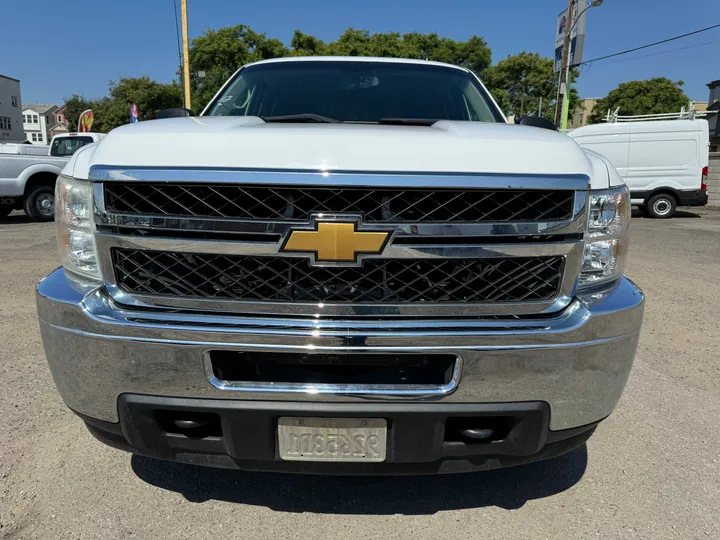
x=577, y=361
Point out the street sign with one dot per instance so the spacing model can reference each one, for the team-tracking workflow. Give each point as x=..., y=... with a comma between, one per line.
x=577, y=37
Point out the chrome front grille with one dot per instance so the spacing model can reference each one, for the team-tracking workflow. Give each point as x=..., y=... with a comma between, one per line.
x=458, y=245
x=280, y=279
x=375, y=205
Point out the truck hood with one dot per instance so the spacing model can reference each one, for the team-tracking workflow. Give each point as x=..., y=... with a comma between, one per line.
x=248, y=142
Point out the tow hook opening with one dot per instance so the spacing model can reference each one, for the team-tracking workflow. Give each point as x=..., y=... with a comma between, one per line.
x=478, y=430
x=193, y=425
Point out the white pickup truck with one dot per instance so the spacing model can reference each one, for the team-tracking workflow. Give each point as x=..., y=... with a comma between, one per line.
x=27, y=180
x=343, y=265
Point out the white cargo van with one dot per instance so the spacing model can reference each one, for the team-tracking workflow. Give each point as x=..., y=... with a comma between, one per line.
x=664, y=163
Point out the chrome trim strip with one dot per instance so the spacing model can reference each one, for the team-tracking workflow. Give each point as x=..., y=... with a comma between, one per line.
x=103, y=309
x=402, y=251
x=106, y=241
x=385, y=390
x=180, y=224
x=340, y=178
x=340, y=310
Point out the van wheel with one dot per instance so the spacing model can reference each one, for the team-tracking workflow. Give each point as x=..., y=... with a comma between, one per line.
x=39, y=205
x=643, y=209
x=661, y=206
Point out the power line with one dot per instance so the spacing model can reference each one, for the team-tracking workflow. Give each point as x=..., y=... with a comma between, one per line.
x=646, y=46
x=177, y=34
x=657, y=53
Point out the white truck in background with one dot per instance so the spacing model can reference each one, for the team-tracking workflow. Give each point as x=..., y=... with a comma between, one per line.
x=27, y=178
x=25, y=149
x=663, y=162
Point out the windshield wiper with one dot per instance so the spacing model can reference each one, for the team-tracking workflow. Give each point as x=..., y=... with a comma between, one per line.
x=409, y=121
x=301, y=118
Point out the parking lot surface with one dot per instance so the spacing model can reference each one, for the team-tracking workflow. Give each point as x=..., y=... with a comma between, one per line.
x=652, y=470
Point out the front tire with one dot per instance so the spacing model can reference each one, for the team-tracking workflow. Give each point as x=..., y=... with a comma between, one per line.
x=661, y=206
x=39, y=205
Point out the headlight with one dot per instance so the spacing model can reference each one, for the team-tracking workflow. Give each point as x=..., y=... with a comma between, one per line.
x=607, y=236
x=76, y=227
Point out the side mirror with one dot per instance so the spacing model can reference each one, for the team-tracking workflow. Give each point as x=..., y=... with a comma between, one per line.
x=538, y=122
x=176, y=112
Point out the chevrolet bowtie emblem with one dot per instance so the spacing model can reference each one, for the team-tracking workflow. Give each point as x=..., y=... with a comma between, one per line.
x=336, y=241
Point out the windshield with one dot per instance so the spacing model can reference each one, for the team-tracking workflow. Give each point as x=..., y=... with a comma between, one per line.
x=67, y=146
x=355, y=92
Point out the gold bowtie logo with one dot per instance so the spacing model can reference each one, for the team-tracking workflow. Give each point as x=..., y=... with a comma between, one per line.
x=333, y=241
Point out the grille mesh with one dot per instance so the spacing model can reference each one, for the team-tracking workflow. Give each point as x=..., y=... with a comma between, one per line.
x=281, y=279
x=376, y=205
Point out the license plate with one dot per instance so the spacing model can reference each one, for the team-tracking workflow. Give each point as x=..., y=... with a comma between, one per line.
x=332, y=439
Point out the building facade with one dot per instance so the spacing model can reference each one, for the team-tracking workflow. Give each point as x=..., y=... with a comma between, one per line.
x=61, y=125
x=11, y=127
x=581, y=116
x=38, y=121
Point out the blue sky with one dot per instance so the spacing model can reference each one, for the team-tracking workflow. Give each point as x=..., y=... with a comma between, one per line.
x=108, y=39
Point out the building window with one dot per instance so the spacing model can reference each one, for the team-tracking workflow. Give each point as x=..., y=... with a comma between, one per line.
x=59, y=119
x=34, y=137
x=5, y=123
x=14, y=100
x=36, y=119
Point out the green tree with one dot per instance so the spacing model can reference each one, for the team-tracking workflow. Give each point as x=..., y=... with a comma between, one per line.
x=519, y=82
x=351, y=43
x=305, y=45
x=75, y=106
x=652, y=96
x=473, y=54
x=113, y=110
x=217, y=54
x=149, y=96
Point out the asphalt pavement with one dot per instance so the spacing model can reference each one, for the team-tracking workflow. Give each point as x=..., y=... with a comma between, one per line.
x=652, y=470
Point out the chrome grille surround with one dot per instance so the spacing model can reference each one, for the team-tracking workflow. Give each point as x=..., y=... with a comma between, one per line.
x=435, y=241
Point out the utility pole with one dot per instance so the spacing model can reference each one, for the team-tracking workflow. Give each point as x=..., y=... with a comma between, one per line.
x=564, y=65
x=186, y=54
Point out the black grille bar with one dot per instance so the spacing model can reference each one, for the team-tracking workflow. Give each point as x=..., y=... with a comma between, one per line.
x=279, y=279
x=375, y=205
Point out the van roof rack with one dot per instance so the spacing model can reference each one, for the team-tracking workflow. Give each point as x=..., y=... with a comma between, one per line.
x=689, y=114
